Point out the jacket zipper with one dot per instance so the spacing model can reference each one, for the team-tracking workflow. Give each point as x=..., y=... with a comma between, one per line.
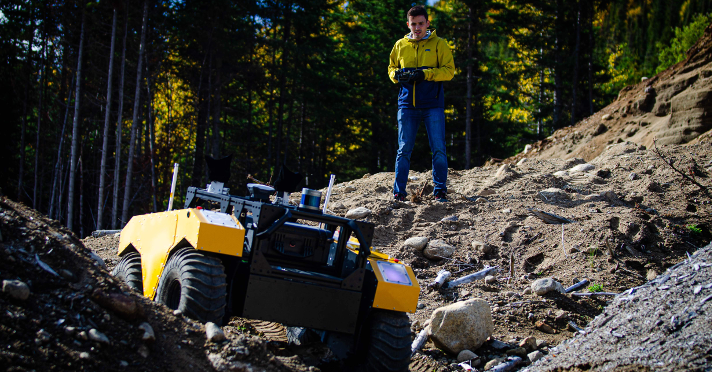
x=417, y=43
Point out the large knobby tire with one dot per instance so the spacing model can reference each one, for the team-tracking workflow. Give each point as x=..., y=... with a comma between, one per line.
x=389, y=339
x=194, y=284
x=128, y=270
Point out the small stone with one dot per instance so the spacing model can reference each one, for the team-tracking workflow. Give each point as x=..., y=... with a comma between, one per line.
x=466, y=355
x=652, y=274
x=98, y=259
x=573, y=250
x=482, y=247
x=438, y=249
x=506, y=211
x=358, y=213
x=522, y=161
x=148, y=334
x=489, y=279
x=528, y=343
x=607, y=117
x=561, y=315
x=349, y=189
x=143, y=351
x=84, y=355
x=417, y=242
x=99, y=337
x=213, y=332
x=535, y=355
x=123, y=363
x=546, y=285
x=83, y=335
x=69, y=330
x=527, y=291
x=42, y=337
x=518, y=351
x=421, y=305
x=177, y=313
x=544, y=327
x=633, y=176
x=541, y=343
x=338, y=206
x=16, y=289
x=494, y=362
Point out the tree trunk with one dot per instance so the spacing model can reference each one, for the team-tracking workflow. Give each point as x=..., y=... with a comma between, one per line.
x=558, y=30
x=57, y=175
x=574, y=85
x=152, y=138
x=75, y=128
x=107, y=118
x=468, y=99
x=117, y=152
x=134, y=123
x=590, y=57
x=218, y=108
x=41, y=91
x=81, y=196
x=28, y=63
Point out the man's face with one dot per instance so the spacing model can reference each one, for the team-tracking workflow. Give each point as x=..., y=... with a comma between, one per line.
x=418, y=25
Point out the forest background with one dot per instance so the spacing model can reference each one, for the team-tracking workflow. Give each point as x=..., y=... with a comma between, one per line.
x=100, y=99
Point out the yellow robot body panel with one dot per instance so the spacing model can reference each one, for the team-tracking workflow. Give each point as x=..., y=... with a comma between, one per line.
x=155, y=235
x=397, y=287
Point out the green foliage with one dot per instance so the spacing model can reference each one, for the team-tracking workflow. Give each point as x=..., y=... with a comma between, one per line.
x=693, y=228
x=595, y=288
x=684, y=39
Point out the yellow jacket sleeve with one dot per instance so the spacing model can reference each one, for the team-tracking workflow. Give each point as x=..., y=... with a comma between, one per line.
x=446, y=71
x=393, y=64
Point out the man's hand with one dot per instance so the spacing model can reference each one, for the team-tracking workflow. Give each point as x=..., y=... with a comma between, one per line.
x=417, y=76
x=403, y=76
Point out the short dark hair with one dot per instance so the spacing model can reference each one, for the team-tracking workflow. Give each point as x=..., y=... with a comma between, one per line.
x=418, y=10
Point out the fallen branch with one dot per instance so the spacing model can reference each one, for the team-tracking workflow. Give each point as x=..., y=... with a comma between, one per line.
x=472, y=277
x=507, y=366
x=255, y=180
x=670, y=164
x=576, y=286
x=443, y=276
x=419, y=340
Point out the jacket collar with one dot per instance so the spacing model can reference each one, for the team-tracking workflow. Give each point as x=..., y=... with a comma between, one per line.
x=428, y=34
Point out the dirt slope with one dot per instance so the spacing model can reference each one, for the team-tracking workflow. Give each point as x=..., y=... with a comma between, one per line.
x=674, y=107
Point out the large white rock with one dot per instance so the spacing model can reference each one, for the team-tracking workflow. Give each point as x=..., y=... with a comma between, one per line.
x=546, y=285
x=358, y=213
x=417, y=242
x=464, y=325
x=438, y=249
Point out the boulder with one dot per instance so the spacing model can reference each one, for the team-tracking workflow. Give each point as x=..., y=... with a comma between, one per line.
x=438, y=249
x=464, y=325
x=546, y=285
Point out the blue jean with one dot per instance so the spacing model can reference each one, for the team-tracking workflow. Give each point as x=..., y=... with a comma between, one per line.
x=408, y=123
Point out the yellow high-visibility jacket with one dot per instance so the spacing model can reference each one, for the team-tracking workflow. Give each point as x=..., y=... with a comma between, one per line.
x=431, y=54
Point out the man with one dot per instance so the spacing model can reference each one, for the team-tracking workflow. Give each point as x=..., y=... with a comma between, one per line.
x=420, y=62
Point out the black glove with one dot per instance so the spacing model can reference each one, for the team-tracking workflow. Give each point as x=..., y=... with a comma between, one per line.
x=417, y=76
x=403, y=76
